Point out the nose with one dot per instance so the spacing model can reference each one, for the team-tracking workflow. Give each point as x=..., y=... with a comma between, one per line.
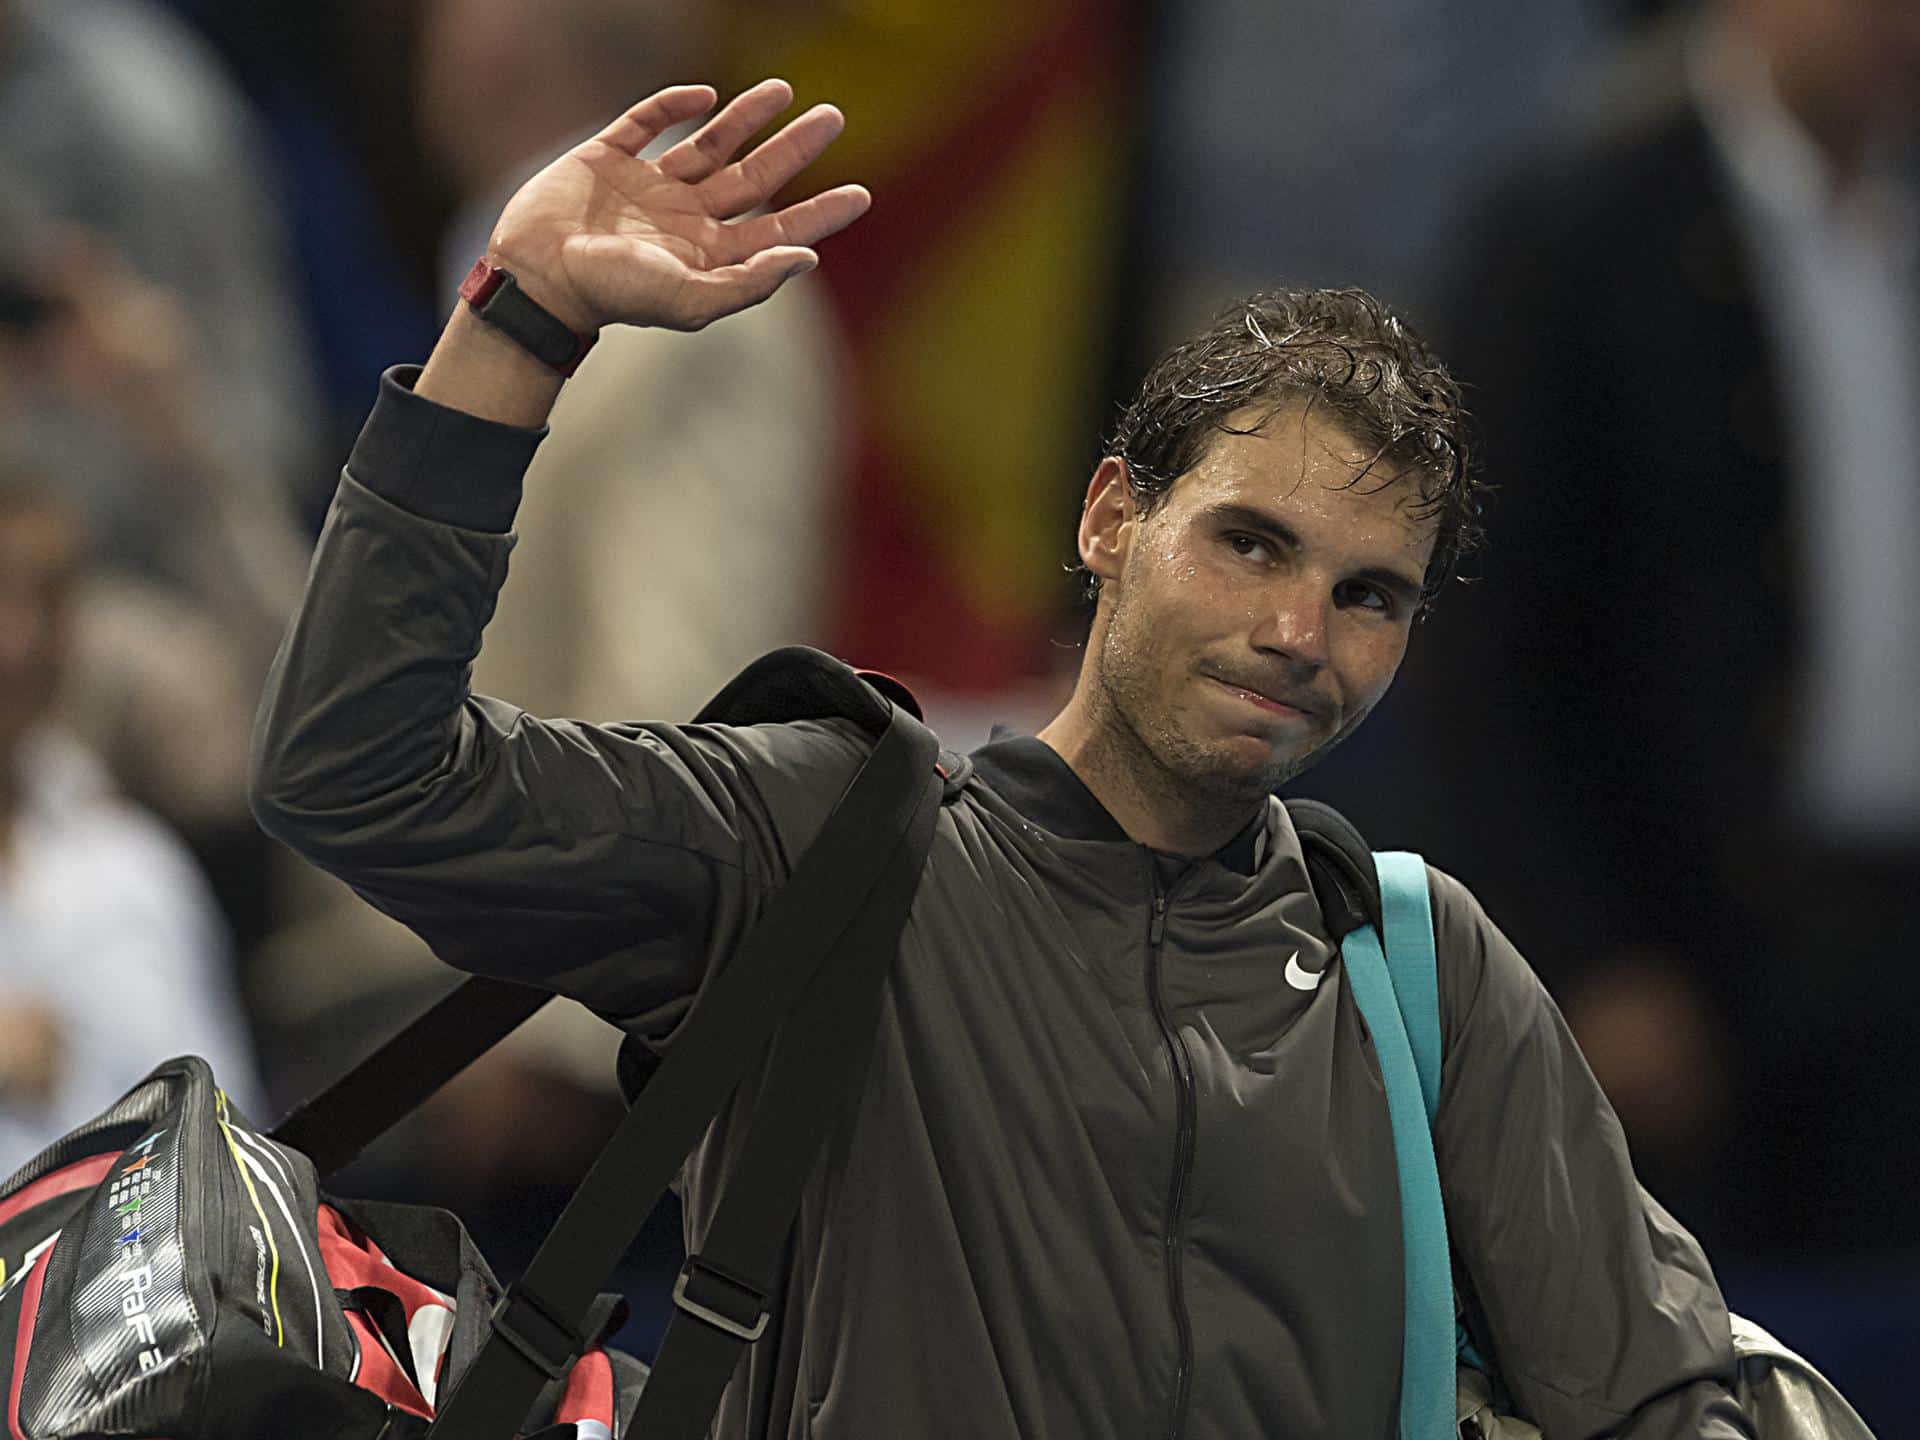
x=1295, y=626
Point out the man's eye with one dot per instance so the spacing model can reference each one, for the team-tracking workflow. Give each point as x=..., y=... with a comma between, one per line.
x=1246, y=544
x=1367, y=597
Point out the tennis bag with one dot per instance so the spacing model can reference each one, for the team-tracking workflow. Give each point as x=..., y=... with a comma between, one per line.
x=170, y=1270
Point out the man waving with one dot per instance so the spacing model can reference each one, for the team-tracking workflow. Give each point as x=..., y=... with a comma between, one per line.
x=1123, y=1164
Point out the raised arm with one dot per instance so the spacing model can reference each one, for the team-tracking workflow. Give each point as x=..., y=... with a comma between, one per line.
x=611, y=862
x=1603, y=1313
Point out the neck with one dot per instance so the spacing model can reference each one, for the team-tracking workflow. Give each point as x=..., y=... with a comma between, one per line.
x=1149, y=803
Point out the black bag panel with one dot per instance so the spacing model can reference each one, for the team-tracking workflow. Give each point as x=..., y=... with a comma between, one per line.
x=257, y=1388
x=41, y=1210
x=264, y=1257
x=22, y=1235
x=122, y=1295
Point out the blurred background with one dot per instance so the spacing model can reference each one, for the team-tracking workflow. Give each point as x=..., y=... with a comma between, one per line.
x=1667, y=733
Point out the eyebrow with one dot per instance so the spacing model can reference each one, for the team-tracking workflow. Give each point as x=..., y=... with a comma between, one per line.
x=1252, y=517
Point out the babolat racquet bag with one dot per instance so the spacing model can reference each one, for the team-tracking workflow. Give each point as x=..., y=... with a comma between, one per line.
x=170, y=1272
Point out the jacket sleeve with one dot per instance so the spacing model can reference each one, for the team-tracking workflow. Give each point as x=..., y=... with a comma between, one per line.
x=613, y=863
x=1604, y=1316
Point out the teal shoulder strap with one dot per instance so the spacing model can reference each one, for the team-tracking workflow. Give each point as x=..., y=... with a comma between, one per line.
x=1412, y=964
x=1427, y=1382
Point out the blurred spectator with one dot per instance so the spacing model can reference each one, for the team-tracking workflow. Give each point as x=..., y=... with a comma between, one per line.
x=631, y=520
x=1341, y=144
x=197, y=564
x=107, y=370
x=114, y=116
x=1681, y=710
x=331, y=87
x=171, y=391
x=111, y=952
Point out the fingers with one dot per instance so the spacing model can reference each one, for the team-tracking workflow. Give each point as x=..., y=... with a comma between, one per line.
x=704, y=152
x=806, y=223
x=754, y=180
x=662, y=110
x=732, y=288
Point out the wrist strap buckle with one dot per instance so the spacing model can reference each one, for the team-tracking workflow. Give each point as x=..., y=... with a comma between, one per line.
x=496, y=297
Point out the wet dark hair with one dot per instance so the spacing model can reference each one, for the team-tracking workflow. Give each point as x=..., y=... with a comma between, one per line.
x=1340, y=349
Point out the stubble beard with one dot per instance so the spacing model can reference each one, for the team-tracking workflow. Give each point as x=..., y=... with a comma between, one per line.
x=1142, y=736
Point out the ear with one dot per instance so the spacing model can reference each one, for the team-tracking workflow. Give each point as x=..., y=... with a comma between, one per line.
x=1107, y=519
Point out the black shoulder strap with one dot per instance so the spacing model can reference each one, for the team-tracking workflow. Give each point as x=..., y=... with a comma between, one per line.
x=1339, y=865
x=797, y=682
x=335, y=1125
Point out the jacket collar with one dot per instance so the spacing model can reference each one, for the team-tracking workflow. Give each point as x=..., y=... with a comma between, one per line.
x=1031, y=776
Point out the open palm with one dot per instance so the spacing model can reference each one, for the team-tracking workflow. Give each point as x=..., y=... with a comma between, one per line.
x=603, y=236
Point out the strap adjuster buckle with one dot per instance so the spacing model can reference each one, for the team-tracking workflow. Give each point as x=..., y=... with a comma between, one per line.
x=724, y=1301
x=548, y=1343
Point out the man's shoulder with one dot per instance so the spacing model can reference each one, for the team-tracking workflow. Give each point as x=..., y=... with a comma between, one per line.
x=795, y=727
x=813, y=751
x=1481, y=970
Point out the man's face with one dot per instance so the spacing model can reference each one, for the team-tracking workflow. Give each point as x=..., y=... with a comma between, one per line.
x=39, y=551
x=1257, y=615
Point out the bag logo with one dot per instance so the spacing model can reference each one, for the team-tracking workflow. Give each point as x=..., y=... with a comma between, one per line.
x=125, y=1196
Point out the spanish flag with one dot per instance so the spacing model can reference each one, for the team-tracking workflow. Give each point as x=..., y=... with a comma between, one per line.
x=977, y=300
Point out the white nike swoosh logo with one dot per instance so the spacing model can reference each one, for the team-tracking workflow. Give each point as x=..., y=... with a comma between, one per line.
x=1302, y=979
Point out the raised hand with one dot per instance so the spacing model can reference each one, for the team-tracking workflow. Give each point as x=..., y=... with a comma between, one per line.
x=602, y=236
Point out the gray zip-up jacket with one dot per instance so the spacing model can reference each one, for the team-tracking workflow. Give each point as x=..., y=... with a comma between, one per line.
x=1113, y=1174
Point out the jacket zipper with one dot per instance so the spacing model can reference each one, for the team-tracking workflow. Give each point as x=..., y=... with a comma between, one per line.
x=1182, y=1162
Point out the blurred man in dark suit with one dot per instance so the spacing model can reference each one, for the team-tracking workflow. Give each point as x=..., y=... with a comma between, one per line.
x=1697, y=351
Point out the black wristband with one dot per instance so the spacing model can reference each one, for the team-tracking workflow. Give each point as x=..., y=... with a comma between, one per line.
x=500, y=302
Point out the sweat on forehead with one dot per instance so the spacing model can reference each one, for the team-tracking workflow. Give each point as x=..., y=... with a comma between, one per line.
x=1295, y=441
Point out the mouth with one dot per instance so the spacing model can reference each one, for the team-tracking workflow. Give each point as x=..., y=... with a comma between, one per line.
x=1273, y=706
